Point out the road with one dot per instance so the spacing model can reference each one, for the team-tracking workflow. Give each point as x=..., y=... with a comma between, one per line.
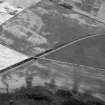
x=9, y=57
x=89, y=15
x=71, y=43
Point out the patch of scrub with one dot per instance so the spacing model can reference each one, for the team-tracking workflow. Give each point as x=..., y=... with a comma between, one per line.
x=6, y=40
x=32, y=19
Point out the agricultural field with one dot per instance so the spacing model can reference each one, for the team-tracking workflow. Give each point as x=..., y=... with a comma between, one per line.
x=9, y=57
x=65, y=51
x=53, y=76
x=88, y=52
x=45, y=26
